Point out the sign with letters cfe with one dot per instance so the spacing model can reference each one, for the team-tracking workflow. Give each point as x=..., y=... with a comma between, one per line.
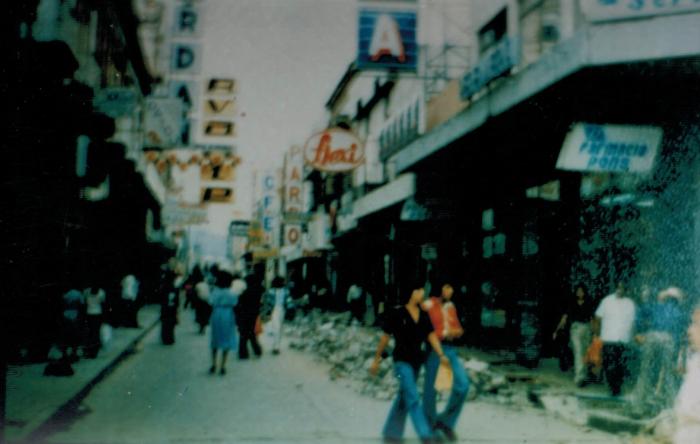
x=613, y=148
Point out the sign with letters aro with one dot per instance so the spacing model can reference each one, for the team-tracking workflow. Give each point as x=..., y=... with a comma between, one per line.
x=387, y=39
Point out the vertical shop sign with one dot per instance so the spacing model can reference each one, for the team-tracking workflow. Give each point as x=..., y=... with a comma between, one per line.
x=270, y=209
x=186, y=58
x=186, y=91
x=187, y=21
x=219, y=108
x=293, y=202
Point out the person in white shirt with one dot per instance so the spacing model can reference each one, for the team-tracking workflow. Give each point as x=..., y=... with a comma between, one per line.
x=94, y=299
x=687, y=408
x=275, y=303
x=614, y=323
x=130, y=293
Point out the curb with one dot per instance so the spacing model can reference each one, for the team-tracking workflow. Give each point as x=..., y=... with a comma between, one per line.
x=615, y=423
x=605, y=421
x=63, y=414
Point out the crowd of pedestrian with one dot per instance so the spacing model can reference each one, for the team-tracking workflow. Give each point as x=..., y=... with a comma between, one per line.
x=638, y=341
x=86, y=319
x=234, y=308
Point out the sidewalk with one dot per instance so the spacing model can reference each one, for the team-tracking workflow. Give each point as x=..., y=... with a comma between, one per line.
x=553, y=390
x=35, y=400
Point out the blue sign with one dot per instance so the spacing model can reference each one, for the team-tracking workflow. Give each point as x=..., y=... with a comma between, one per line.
x=387, y=40
x=497, y=61
x=606, y=10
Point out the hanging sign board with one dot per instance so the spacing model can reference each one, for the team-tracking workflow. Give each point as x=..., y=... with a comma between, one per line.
x=293, y=178
x=613, y=148
x=163, y=122
x=387, y=39
x=334, y=150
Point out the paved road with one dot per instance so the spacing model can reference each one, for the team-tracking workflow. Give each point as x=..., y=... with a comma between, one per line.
x=165, y=395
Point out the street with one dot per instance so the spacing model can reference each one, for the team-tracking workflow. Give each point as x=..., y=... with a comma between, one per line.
x=165, y=395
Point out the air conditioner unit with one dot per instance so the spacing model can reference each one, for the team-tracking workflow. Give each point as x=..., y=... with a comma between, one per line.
x=550, y=28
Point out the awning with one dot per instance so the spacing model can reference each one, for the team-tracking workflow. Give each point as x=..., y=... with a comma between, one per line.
x=600, y=45
x=392, y=193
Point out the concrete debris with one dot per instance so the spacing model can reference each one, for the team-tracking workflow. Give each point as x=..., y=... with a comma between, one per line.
x=349, y=349
x=566, y=407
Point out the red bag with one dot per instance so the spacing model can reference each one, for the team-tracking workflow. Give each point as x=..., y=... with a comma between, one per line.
x=258, y=326
x=594, y=354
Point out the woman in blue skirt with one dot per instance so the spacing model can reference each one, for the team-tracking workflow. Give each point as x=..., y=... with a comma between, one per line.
x=223, y=321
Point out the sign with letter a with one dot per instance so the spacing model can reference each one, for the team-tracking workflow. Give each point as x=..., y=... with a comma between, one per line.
x=387, y=39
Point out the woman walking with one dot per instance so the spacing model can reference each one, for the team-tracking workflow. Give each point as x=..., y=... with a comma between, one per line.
x=410, y=327
x=223, y=321
x=579, y=314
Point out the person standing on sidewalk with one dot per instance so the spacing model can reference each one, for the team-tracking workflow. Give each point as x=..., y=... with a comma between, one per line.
x=687, y=408
x=410, y=327
x=614, y=322
x=443, y=316
x=579, y=314
x=130, y=294
x=274, y=306
x=94, y=301
x=223, y=320
x=660, y=353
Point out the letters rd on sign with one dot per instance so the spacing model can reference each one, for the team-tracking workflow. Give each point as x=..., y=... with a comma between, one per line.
x=334, y=150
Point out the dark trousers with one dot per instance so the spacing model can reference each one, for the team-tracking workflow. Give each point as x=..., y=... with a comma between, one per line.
x=92, y=340
x=248, y=335
x=615, y=361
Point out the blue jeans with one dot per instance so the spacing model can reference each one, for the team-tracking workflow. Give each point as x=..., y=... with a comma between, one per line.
x=407, y=402
x=460, y=388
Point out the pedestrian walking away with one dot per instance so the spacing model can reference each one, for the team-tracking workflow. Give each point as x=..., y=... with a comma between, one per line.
x=200, y=302
x=169, y=303
x=687, y=408
x=410, y=328
x=578, y=316
x=223, y=320
x=445, y=321
x=614, y=322
x=274, y=306
x=247, y=312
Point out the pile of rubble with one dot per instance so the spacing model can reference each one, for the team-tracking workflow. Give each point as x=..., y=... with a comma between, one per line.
x=349, y=349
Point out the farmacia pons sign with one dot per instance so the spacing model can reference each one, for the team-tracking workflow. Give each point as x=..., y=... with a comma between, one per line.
x=334, y=150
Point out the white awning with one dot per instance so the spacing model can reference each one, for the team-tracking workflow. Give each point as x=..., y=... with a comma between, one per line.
x=392, y=193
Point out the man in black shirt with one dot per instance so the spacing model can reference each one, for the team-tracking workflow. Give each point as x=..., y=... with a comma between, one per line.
x=410, y=327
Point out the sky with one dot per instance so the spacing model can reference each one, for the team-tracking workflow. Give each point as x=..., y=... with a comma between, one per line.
x=287, y=57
